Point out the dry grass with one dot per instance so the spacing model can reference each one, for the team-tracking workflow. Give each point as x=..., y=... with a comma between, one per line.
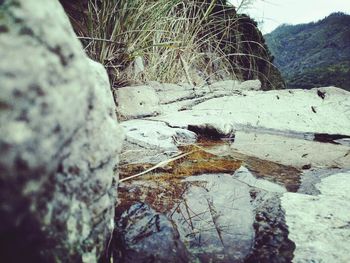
x=178, y=41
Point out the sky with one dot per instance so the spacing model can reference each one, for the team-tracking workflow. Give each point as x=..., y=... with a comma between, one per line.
x=272, y=13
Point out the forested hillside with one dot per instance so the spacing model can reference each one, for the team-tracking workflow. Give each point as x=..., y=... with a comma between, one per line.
x=314, y=54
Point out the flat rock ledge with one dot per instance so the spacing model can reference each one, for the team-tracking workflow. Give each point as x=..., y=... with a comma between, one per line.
x=156, y=98
x=316, y=114
x=278, y=111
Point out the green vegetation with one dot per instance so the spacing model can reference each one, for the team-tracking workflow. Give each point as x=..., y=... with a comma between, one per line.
x=177, y=41
x=314, y=54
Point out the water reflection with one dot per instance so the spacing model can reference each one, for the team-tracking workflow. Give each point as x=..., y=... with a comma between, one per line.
x=214, y=214
x=223, y=200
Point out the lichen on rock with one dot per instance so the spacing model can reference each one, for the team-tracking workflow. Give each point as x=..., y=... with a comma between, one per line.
x=59, y=139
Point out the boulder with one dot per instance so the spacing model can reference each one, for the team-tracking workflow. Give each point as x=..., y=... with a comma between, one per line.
x=59, y=139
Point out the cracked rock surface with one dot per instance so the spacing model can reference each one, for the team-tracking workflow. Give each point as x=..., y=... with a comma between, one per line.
x=59, y=139
x=277, y=111
x=286, y=203
x=320, y=224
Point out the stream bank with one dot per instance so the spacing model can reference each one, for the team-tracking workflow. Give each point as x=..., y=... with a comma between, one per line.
x=246, y=189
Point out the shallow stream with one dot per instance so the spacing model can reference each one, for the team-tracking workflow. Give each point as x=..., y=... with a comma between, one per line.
x=221, y=202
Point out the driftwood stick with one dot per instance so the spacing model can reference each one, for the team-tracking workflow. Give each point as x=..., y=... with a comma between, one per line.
x=156, y=166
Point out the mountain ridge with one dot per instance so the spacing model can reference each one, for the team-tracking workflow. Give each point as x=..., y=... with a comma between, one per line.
x=313, y=54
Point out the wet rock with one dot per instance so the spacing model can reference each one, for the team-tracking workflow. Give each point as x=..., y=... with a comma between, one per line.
x=288, y=150
x=219, y=217
x=215, y=218
x=319, y=225
x=273, y=133
x=245, y=176
x=284, y=175
x=192, y=161
x=59, y=140
x=143, y=235
x=212, y=213
x=271, y=244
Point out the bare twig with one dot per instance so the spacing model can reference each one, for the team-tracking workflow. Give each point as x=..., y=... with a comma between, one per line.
x=157, y=166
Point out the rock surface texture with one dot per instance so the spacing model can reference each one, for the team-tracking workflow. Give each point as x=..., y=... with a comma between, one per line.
x=319, y=110
x=216, y=218
x=148, y=236
x=290, y=189
x=320, y=225
x=156, y=98
x=320, y=114
x=59, y=139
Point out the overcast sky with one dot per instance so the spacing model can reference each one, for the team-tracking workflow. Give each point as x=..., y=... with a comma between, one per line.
x=275, y=12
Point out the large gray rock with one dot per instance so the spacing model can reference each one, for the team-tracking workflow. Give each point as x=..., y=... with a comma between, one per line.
x=320, y=225
x=316, y=111
x=59, y=139
x=216, y=218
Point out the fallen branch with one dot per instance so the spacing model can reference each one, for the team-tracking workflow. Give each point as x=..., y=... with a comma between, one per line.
x=157, y=166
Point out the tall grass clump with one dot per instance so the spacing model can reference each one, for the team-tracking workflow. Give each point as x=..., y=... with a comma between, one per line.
x=192, y=41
